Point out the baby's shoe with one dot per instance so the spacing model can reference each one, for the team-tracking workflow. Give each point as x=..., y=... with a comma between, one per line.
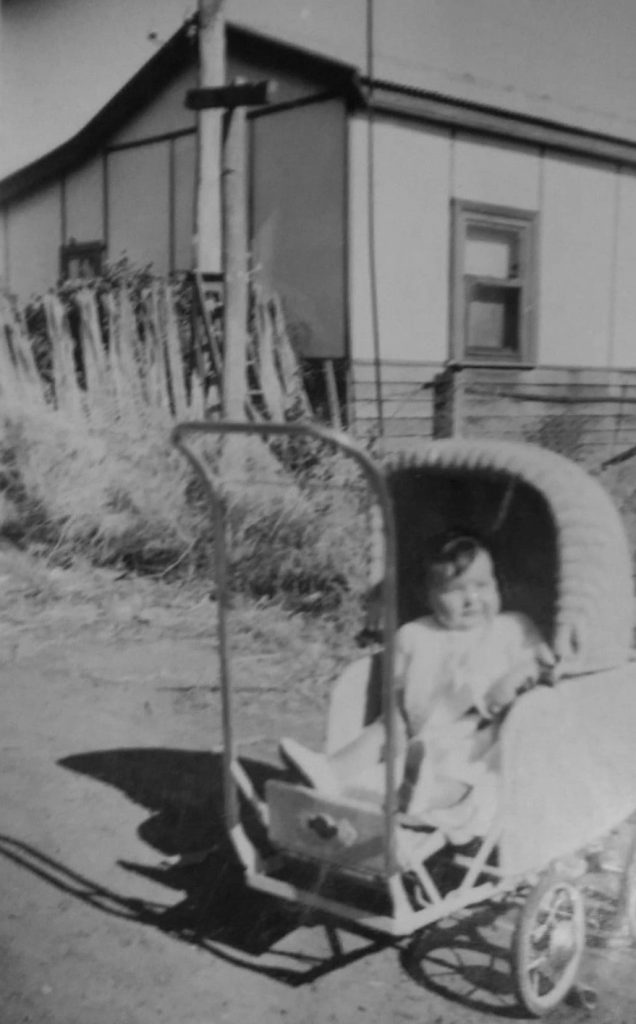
x=314, y=768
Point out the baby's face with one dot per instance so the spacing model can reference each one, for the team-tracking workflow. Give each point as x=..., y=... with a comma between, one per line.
x=469, y=600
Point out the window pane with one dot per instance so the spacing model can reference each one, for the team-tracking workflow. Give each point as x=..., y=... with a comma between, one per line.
x=493, y=317
x=491, y=251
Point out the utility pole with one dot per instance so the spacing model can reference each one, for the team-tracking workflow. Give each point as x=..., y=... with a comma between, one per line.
x=234, y=221
x=222, y=230
x=207, y=257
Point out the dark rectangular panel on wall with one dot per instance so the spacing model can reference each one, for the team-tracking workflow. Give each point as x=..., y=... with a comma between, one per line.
x=84, y=202
x=139, y=205
x=298, y=182
x=184, y=181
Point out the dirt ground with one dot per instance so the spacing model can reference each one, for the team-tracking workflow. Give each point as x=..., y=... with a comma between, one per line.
x=109, y=746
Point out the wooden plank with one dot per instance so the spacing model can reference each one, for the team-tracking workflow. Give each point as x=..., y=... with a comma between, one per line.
x=390, y=390
x=554, y=393
x=394, y=408
x=419, y=427
x=497, y=428
x=549, y=374
x=539, y=406
x=394, y=432
x=596, y=421
x=394, y=371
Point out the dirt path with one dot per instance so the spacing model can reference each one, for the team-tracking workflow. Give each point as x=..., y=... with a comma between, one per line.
x=108, y=740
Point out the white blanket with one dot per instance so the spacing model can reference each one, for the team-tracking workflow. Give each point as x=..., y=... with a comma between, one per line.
x=569, y=767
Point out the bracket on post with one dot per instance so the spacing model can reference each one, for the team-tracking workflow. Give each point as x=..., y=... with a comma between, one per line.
x=237, y=94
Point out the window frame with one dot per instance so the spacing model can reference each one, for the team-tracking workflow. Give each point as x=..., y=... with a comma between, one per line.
x=82, y=250
x=524, y=223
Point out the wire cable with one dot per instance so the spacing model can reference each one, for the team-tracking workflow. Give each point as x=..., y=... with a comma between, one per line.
x=371, y=225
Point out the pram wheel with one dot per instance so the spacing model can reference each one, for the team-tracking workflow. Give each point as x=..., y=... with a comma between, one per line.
x=548, y=943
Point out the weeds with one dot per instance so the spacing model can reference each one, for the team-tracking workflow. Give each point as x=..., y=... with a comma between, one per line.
x=92, y=380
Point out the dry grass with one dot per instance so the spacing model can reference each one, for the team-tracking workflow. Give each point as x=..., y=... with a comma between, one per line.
x=87, y=468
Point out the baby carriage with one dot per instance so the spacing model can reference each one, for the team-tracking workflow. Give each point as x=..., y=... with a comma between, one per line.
x=568, y=775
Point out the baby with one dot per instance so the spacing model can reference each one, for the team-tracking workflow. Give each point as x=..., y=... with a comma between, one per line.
x=457, y=669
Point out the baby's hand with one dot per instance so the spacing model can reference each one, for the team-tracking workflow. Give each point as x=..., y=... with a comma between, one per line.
x=504, y=691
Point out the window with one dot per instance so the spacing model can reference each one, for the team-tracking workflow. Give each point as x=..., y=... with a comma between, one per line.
x=81, y=259
x=493, y=291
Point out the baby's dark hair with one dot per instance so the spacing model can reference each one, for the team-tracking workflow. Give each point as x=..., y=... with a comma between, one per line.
x=449, y=554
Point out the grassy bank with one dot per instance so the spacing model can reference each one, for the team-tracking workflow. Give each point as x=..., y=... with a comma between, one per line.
x=87, y=467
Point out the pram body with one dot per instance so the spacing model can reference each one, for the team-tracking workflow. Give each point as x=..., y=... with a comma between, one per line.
x=568, y=757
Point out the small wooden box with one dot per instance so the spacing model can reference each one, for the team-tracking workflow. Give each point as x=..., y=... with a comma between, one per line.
x=335, y=830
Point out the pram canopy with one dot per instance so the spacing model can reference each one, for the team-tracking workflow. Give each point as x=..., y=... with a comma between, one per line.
x=568, y=754
x=556, y=535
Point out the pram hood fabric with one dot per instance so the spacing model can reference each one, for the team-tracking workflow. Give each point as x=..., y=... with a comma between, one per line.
x=536, y=500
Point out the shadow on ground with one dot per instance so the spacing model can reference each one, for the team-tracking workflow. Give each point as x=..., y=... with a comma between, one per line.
x=182, y=790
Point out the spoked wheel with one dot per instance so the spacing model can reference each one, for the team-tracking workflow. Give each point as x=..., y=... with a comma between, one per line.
x=548, y=944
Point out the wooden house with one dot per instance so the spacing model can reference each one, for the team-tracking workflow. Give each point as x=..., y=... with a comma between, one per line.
x=465, y=261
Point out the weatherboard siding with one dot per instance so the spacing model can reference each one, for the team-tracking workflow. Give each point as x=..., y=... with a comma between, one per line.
x=586, y=253
x=409, y=230
x=587, y=413
x=577, y=263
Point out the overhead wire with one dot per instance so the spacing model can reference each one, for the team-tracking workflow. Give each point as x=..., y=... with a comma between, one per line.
x=371, y=221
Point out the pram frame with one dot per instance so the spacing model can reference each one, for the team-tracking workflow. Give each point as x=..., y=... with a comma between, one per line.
x=482, y=881
x=233, y=775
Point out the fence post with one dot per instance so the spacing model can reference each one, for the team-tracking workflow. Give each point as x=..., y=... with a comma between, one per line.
x=448, y=402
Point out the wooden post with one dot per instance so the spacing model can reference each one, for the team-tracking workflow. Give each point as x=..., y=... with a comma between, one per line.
x=448, y=407
x=222, y=194
x=207, y=256
x=234, y=219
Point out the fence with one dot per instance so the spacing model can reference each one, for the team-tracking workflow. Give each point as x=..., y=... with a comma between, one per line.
x=104, y=353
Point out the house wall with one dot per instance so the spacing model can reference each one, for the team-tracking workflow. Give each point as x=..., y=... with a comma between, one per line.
x=137, y=195
x=139, y=205
x=298, y=223
x=184, y=157
x=586, y=254
x=405, y=234
x=83, y=203
x=586, y=268
x=623, y=335
x=3, y=249
x=165, y=114
x=577, y=264
x=34, y=233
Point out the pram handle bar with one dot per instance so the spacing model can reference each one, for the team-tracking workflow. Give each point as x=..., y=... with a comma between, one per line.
x=377, y=481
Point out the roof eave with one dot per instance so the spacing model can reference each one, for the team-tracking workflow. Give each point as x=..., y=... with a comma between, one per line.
x=175, y=55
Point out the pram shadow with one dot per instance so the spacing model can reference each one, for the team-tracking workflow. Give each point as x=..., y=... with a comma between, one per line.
x=183, y=791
